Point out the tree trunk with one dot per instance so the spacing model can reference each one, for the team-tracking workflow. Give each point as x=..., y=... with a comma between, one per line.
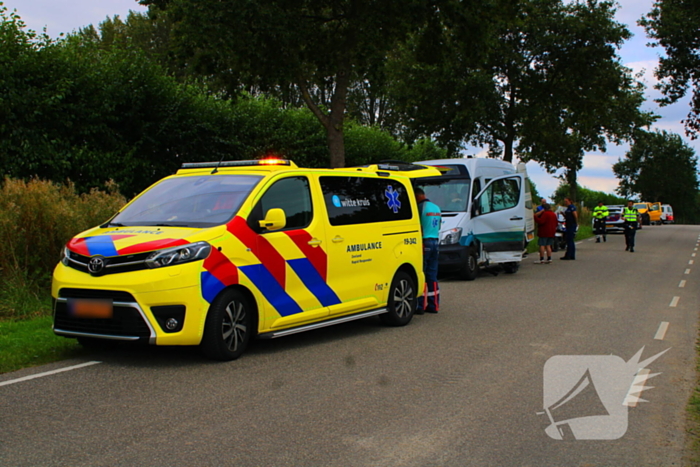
x=336, y=146
x=333, y=122
x=573, y=185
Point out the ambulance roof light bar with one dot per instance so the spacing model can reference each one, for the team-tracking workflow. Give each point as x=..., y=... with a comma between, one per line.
x=246, y=163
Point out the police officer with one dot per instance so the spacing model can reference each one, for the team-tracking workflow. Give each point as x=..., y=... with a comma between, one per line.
x=631, y=217
x=571, y=217
x=430, y=219
x=600, y=216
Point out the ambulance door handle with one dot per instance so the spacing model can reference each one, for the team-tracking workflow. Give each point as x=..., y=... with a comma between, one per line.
x=314, y=242
x=338, y=239
x=516, y=218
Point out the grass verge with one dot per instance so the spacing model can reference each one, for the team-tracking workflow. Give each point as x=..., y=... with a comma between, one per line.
x=31, y=342
x=693, y=422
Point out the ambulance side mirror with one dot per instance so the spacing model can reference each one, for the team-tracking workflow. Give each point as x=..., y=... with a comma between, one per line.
x=275, y=219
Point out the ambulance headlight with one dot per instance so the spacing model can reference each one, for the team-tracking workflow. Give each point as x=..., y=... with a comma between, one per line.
x=451, y=236
x=65, y=256
x=178, y=255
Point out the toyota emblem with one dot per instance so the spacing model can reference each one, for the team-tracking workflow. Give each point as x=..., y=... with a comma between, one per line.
x=96, y=265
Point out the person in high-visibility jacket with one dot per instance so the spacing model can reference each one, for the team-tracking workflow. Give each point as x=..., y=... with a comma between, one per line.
x=600, y=217
x=631, y=216
x=430, y=221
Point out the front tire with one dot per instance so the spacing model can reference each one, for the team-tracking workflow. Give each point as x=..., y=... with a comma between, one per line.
x=402, y=301
x=470, y=268
x=228, y=328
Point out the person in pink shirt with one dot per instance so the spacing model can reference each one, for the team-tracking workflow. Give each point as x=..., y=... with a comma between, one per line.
x=546, y=229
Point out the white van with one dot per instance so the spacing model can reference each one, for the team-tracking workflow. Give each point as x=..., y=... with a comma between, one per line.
x=666, y=214
x=487, y=216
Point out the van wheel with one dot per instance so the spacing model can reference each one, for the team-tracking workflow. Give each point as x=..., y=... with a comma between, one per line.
x=471, y=266
x=228, y=327
x=511, y=268
x=402, y=301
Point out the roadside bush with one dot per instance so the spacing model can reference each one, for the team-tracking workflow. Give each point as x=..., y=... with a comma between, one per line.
x=37, y=218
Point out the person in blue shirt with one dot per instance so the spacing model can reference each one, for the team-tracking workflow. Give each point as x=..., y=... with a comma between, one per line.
x=571, y=217
x=430, y=220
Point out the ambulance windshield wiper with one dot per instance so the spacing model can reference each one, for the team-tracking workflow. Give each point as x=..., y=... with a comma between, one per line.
x=112, y=224
x=171, y=225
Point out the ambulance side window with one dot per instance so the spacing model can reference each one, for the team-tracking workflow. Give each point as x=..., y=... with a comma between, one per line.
x=294, y=197
x=364, y=200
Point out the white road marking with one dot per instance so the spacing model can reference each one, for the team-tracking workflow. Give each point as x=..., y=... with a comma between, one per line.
x=687, y=271
x=690, y=262
x=636, y=388
x=578, y=243
x=681, y=284
x=674, y=302
x=48, y=373
x=661, y=333
x=693, y=255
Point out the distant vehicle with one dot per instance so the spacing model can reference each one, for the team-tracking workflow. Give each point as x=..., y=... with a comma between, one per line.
x=654, y=213
x=666, y=214
x=649, y=212
x=616, y=220
x=559, y=237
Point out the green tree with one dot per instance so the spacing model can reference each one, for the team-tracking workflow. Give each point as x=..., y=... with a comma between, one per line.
x=548, y=85
x=310, y=44
x=589, y=198
x=660, y=167
x=673, y=25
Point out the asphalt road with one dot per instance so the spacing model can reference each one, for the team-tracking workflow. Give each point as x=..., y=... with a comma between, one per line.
x=465, y=387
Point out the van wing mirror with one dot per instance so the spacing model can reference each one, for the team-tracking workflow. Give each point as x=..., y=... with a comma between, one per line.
x=475, y=207
x=275, y=219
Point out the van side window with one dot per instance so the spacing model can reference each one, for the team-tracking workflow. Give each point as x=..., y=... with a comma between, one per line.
x=477, y=187
x=363, y=200
x=500, y=195
x=294, y=197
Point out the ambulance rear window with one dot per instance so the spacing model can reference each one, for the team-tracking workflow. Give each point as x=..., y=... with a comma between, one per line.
x=363, y=200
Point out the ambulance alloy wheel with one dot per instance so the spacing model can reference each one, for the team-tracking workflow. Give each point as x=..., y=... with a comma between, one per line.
x=402, y=301
x=228, y=327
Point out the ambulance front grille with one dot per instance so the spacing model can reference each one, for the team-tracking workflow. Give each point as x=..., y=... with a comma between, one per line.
x=113, y=264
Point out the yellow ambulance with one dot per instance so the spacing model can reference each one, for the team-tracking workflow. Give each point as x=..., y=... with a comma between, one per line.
x=223, y=252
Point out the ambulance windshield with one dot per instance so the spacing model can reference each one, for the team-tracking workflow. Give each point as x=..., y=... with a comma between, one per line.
x=198, y=201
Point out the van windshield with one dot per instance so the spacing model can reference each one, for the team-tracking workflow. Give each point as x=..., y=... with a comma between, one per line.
x=640, y=206
x=197, y=201
x=450, y=194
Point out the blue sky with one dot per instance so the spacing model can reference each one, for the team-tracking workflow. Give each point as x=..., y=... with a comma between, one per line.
x=69, y=15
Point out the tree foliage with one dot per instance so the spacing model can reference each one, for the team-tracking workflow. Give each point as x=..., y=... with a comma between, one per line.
x=90, y=109
x=589, y=198
x=660, y=167
x=547, y=82
x=310, y=44
x=674, y=25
